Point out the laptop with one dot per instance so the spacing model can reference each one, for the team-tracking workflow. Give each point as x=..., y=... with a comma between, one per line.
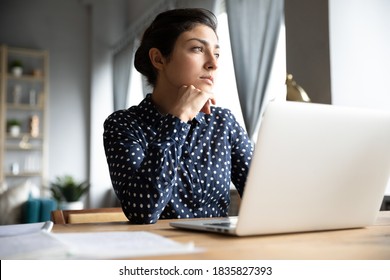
x=315, y=167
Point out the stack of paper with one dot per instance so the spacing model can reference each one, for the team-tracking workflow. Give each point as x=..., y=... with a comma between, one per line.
x=30, y=241
x=120, y=244
x=34, y=241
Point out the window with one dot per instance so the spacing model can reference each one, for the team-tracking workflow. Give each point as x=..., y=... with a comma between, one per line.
x=135, y=91
x=225, y=86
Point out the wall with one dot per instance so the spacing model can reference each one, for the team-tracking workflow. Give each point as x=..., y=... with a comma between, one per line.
x=62, y=28
x=108, y=23
x=360, y=56
x=79, y=35
x=307, y=47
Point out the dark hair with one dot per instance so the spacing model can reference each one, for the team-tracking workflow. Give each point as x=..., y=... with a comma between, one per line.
x=163, y=33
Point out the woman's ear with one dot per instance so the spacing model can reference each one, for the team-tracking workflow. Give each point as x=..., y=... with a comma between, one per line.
x=156, y=58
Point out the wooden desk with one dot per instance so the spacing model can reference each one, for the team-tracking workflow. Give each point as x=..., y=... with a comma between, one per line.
x=365, y=243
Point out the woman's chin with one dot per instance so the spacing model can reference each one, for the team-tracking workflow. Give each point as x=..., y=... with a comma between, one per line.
x=204, y=87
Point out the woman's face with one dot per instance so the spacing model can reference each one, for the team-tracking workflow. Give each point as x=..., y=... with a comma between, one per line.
x=193, y=60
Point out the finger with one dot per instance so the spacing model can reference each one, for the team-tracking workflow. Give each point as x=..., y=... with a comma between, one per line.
x=210, y=101
x=206, y=108
x=183, y=89
x=213, y=101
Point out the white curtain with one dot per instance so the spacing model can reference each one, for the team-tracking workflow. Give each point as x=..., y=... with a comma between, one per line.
x=122, y=65
x=254, y=29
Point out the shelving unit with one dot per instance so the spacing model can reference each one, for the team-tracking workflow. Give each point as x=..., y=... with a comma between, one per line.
x=23, y=98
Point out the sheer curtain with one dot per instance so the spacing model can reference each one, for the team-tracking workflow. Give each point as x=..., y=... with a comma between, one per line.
x=123, y=52
x=254, y=29
x=122, y=65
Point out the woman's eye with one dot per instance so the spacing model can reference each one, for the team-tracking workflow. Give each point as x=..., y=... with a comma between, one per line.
x=216, y=55
x=198, y=49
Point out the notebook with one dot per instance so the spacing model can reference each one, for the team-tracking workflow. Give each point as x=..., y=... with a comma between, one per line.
x=315, y=167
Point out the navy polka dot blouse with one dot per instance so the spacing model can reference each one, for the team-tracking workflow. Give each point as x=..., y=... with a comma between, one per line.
x=161, y=167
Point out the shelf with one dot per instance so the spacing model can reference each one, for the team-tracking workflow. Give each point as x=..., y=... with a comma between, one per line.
x=24, y=135
x=24, y=174
x=27, y=78
x=24, y=107
x=23, y=97
x=27, y=52
x=19, y=148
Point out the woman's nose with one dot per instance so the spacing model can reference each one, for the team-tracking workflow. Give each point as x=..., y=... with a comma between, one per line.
x=212, y=62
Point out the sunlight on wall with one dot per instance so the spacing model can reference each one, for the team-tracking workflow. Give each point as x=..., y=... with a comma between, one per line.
x=360, y=56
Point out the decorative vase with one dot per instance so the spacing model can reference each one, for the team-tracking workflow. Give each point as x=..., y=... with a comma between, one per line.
x=17, y=71
x=17, y=94
x=14, y=130
x=74, y=205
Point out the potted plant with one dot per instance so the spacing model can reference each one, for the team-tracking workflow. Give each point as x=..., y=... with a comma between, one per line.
x=14, y=127
x=69, y=192
x=16, y=67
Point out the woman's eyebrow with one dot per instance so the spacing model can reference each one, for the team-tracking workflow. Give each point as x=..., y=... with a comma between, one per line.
x=204, y=42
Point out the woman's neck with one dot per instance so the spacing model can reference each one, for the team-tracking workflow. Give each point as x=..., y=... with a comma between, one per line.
x=163, y=98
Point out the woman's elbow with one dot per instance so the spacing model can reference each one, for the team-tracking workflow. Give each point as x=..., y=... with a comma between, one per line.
x=140, y=217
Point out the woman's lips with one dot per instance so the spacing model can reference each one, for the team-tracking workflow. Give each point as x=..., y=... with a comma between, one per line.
x=208, y=79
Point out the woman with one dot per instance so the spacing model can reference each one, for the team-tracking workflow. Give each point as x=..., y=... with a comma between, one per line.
x=174, y=155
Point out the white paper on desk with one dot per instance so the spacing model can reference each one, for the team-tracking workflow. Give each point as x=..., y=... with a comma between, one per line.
x=17, y=229
x=120, y=244
x=39, y=244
